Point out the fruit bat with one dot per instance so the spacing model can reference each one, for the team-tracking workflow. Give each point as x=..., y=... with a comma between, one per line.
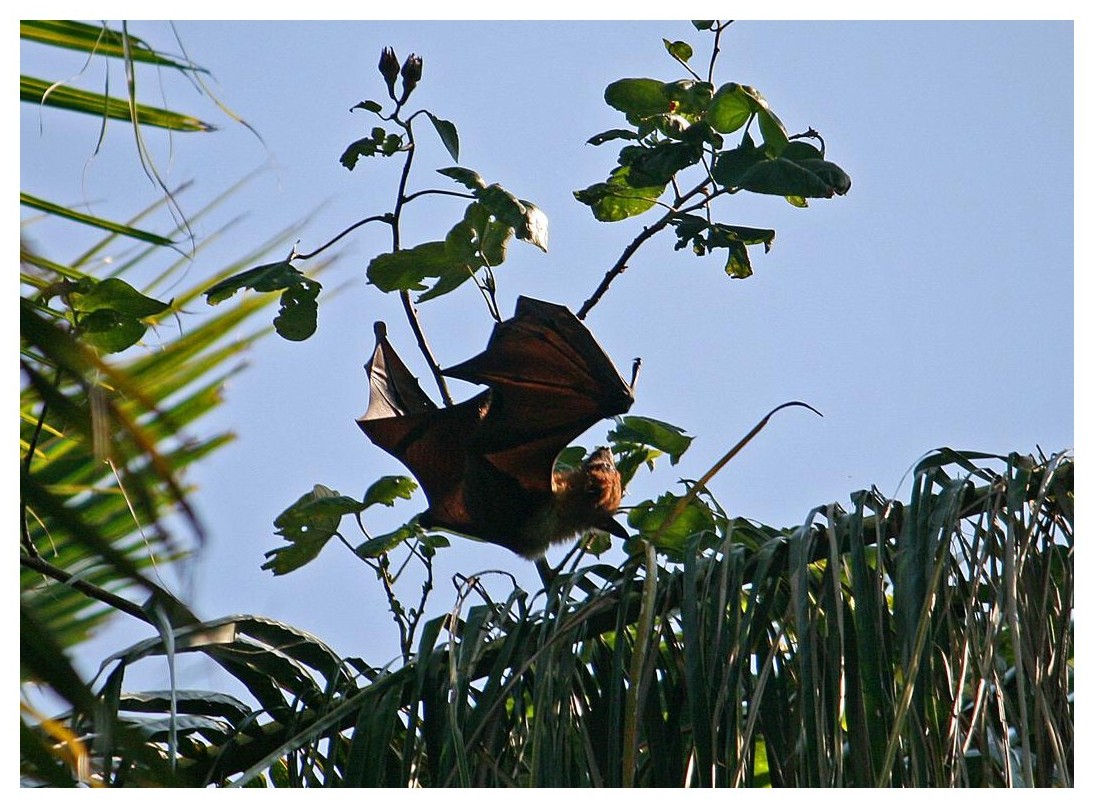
x=487, y=465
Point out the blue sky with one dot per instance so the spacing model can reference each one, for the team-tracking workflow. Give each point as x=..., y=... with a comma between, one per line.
x=932, y=306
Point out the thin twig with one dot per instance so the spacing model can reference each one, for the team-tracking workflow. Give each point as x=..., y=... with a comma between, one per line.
x=416, y=194
x=714, y=52
x=384, y=217
x=423, y=346
x=427, y=587
x=408, y=304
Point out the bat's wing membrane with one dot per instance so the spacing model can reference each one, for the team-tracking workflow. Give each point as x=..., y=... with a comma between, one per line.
x=550, y=381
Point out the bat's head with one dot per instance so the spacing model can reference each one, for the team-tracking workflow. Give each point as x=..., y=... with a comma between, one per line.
x=601, y=460
x=603, y=491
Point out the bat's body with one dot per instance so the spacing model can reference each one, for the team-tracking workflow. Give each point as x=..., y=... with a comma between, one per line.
x=487, y=464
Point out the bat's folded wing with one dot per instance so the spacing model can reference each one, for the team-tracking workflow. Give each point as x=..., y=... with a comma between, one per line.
x=430, y=442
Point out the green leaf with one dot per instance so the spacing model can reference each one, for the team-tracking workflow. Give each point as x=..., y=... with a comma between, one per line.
x=799, y=150
x=632, y=456
x=704, y=235
x=480, y=239
x=108, y=313
x=446, y=130
x=689, y=98
x=529, y=223
x=534, y=227
x=485, y=239
x=638, y=99
x=464, y=176
x=612, y=134
x=775, y=137
x=297, y=318
x=649, y=518
x=388, y=489
x=657, y=165
x=370, y=106
x=570, y=458
x=681, y=51
x=265, y=278
x=703, y=25
x=406, y=269
x=308, y=524
x=738, y=264
x=378, y=142
x=729, y=109
x=110, y=331
x=116, y=294
x=315, y=513
x=616, y=199
x=389, y=541
x=36, y=91
x=596, y=542
x=660, y=435
x=808, y=179
x=730, y=167
x=502, y=204
x=98, y=39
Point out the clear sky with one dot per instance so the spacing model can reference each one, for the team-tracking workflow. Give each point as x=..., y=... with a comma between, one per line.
x=932, y=306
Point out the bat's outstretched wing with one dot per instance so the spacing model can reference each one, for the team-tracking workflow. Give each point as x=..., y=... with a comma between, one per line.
x=550, y=381
x=486, y=465
x=430, y=442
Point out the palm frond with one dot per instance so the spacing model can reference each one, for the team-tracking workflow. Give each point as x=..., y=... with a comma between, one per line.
x=926, y=643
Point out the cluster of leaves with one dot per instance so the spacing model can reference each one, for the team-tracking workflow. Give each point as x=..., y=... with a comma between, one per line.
x=472, y=248
x=477, y=242
x=680, y=124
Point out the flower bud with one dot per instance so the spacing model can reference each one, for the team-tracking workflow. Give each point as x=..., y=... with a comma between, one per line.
x=389, y=69
x=411, y=73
